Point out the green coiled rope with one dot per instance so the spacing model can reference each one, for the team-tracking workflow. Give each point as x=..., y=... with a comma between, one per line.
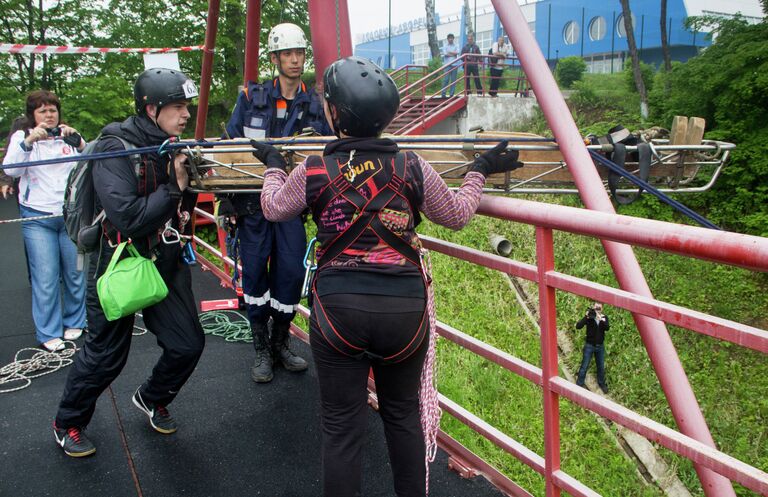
x=229, y=325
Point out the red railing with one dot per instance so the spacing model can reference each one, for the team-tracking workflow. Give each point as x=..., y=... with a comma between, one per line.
x=744, y=251
x=422, y=104
x=405, y=75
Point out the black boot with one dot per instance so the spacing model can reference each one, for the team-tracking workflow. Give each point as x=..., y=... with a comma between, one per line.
x=281, y=348
x=261, y=372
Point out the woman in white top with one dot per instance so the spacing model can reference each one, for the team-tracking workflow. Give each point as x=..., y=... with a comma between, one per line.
x=51, y=254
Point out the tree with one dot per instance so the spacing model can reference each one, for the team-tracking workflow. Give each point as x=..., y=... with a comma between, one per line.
x=727, y=84
x=468, y=28
x=434, y=48
x=664, y=42
x=570, y=70
x=629, y=29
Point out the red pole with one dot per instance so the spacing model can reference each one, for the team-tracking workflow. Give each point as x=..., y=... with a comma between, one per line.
x=205, y=77
x=252, y=31
x=654, y=334
x=545, y=262
x=331, y=37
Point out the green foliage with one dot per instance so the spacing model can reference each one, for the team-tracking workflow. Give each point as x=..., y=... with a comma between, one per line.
x=728, y=86
x=647, y=72
x=570, y=70
x=96, y=89
x=600, y=102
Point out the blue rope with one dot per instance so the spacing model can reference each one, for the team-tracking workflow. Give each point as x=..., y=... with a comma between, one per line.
x=646, y=186
x=168, y=146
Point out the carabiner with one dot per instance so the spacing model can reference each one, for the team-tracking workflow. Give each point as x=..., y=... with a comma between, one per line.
x=310, y=266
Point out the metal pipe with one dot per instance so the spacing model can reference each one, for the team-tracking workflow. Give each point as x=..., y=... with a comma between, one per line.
x=211, y=28
x=654, y=334
x=252, y=31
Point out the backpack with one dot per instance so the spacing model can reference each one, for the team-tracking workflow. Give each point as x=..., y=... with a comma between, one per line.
x=82, y=223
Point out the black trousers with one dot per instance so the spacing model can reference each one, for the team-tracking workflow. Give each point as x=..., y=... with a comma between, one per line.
x=174, y=323
x=495, y=80
x=472, y=70
x=382, y=325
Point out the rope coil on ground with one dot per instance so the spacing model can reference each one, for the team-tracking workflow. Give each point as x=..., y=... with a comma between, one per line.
x=230, y=325
x=38, y=363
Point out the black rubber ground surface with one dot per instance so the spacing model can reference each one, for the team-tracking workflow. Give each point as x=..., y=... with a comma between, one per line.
x=235, y=438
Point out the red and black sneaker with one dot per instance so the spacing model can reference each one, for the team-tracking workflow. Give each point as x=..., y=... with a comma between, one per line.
x=73, y=441
x=159, y=417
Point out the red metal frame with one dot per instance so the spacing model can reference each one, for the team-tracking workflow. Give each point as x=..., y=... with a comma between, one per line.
x=211, y=27
x=331, y=36
x=654, y=334
x=252, y=31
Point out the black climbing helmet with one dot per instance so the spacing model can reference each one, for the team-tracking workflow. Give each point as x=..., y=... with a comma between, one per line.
x=364, y=96
x=160, y=86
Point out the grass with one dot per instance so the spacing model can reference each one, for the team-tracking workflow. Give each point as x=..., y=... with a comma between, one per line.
x=728, y=381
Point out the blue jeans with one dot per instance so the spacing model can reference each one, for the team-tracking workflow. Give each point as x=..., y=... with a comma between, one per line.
x=599, y=353
x=450, y=79
x=54, y=276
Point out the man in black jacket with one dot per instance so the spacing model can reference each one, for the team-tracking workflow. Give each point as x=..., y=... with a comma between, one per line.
x=597, y=325
x=144, y=200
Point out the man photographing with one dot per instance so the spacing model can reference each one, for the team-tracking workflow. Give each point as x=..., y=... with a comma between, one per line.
x=597, y=325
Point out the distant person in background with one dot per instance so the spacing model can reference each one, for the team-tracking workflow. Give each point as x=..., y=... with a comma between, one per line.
x=499, y=52
x=450, y=52
x=58, y=287
x=6, y=185
x=471, y=65
x=597, y=325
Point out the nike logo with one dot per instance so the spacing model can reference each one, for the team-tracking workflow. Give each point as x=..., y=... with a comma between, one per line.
x=59, y=441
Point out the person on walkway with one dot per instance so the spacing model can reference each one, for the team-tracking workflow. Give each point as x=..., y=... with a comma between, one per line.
x=370, y=305
x=450, y=53
x=471, y=63
x=145, y=200
x=272, y=254
x=499, y=51
x=58, y=288
x=597, y=325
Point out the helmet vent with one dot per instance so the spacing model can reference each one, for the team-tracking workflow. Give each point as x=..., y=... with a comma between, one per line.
x=364, y=73
x=380, y=83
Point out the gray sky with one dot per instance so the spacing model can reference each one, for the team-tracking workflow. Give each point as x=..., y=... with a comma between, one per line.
x=367, y=15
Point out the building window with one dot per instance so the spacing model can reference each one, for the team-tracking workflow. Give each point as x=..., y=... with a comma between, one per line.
x=420, y=54
x=620, y=25
x=484, y=40
x=571, y=33
x=597, y=28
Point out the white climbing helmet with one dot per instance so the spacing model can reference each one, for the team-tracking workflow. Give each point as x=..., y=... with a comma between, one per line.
x=286, y=36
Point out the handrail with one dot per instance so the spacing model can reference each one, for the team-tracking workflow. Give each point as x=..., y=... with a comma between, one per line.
x=745, y=251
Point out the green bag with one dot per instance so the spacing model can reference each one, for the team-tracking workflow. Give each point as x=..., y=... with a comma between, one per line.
x=129, y=285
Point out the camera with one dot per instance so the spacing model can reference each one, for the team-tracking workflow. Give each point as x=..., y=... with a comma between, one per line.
x=54, y=132
x=591, y=313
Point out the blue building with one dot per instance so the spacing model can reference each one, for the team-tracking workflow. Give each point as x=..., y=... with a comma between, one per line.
x=592, y=30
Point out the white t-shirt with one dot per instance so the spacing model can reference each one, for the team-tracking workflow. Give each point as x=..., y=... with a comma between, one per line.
x=494, y=50
x=41, y=187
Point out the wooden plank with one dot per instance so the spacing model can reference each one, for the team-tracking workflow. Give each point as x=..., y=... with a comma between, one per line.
x=678, y=131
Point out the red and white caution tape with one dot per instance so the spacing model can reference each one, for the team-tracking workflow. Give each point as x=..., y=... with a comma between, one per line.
x=51, y=49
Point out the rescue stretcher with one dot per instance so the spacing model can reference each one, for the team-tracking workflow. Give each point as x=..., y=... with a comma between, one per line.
x=231, y=168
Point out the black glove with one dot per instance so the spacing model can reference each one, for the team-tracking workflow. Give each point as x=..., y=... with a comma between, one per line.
x=268, y=155
x=497, y=160
x=73, y=140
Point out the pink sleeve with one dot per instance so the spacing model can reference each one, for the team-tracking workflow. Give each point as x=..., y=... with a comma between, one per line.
x=283, y=197
x=452, y=209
